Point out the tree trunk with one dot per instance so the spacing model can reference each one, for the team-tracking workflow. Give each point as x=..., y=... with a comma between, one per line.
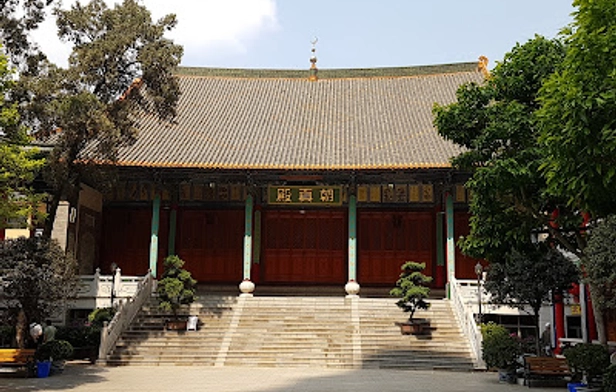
x=21, y=329
x=599, y=318
x=51, y=216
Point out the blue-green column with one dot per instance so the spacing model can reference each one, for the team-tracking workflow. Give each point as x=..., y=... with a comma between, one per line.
x=154, y=235
x=352, y=287
x=451, y=243
x=247, y=287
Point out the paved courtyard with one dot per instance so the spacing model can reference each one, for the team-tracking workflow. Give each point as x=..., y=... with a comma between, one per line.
x=90, y=378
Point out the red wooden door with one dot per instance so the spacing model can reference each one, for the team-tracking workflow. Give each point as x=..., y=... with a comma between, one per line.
x=465, y=265
x=306, y=246
x=211, y=243
x=387, y=239
x=126, y=239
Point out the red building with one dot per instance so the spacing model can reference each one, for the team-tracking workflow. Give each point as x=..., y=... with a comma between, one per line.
x=270, y=177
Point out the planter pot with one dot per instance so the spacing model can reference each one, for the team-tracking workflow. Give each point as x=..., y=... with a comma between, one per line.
x=176, y=325
x=576, y=386
x=414, y=327
x=57, y=366
x=507, y=376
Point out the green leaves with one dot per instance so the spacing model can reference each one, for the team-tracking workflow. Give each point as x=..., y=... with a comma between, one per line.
x=496, y=123
x=176, y=287
x=412, y=288
x=578, y=114
x=600, y=263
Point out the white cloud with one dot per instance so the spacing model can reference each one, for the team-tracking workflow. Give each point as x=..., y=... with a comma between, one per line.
x=204, y=27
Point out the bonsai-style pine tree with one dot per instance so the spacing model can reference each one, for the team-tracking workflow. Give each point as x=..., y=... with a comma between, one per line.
x=177, y=287
x=412, y=288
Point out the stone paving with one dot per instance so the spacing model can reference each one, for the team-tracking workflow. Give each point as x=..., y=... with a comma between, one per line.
x=92, y=378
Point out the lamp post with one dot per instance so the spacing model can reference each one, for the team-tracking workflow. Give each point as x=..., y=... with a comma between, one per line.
x=479, y=272
x=114, y=268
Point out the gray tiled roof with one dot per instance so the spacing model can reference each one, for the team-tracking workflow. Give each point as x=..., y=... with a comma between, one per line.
x=347, y=121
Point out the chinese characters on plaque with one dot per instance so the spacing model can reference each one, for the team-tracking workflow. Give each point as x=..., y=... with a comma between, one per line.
x=305, y=195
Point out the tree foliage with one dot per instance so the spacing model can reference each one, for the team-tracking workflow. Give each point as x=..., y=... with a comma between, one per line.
x=121, y=63
x=578, y=114
x=18, y=166
x=530, y=277
x=17, y=19
x=600, y=263
x=39, y=277
x=177, y=287
x=412, y=288
x=495, y=122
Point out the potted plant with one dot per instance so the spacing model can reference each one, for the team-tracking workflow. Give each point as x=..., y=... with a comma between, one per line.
x=587, y=361
x=412, y=290
x=176, y=288
x=56, y=351
x=500, y=350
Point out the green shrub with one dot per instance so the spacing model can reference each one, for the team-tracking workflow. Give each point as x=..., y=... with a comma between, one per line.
x=412, y=288
x=7, y=336
x=609, y=379
x=587, y=359
x=177, y=287
x=56, y=350
x=80, y=336
x=99, y=315
x=500, y=349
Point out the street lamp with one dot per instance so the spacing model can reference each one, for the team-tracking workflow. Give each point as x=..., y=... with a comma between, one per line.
x=114, y=268
x=479, y=272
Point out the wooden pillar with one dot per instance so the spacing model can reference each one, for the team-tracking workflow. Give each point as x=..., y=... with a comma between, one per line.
x=352, y=287
x=173, y=216
x=247, y=287
x=451, y=242
x=440, y=251
x=154, y=235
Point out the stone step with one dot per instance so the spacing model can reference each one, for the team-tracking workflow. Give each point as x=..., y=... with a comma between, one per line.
x=294, y=331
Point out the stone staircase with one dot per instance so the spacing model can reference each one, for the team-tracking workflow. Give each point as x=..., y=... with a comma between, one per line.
x=295, y=332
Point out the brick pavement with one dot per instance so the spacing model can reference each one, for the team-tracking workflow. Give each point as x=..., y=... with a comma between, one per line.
x=91, y=378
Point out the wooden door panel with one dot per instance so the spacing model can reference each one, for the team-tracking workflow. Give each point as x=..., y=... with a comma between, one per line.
x=387, y=239
x=211, y=243
x=308, y=246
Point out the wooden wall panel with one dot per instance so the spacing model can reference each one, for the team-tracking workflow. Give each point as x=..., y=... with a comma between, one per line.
x=306, y=246
x=126, y=239
x=465, y=265
x=388, y=238
x=211, y=243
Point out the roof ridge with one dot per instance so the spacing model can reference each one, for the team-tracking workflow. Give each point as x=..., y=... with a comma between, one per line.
x=328, y=73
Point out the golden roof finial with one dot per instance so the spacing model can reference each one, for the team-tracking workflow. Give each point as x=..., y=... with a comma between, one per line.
x=313, y=59
x=483, y=66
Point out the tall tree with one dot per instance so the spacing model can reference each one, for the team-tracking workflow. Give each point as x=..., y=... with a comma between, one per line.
x=18, y=166
x=40, y=280
x=578, y=121
x=17, y=19
x=494, y=121
x=529, y=278
x=121, y=62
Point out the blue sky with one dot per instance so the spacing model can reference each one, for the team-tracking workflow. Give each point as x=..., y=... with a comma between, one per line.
x=351, y=33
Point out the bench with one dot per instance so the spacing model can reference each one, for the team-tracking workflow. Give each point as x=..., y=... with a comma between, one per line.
x=14, y=359
x=545, y=368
